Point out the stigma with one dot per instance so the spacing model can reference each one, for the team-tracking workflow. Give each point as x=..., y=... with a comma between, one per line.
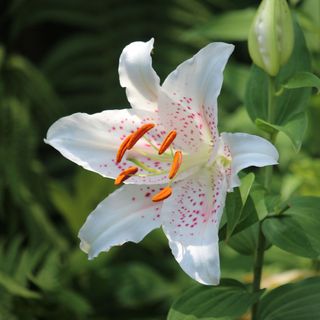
x=131, y=140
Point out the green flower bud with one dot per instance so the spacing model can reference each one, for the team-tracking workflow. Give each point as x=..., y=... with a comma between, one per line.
x=271, y=36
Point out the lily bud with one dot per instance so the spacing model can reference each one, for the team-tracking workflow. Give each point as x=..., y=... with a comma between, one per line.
x=271, y=36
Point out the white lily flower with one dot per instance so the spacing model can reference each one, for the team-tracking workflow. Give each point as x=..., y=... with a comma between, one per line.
x=196, y=165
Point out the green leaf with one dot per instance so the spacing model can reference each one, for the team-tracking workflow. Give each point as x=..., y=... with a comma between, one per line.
x=297, y=229
x=76, y=302
x=245, y=242
x=229, y=299
x=294, y=301
x=233, y=210
x=76, y=206
x=303, y=80
x=293, y=129
x=290, y=102
x=233, y=25
x=240, y=210
x=246, y=185
x=15, y=288
x=136, y=279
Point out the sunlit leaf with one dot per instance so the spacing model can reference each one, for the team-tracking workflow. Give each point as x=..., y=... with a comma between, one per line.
x=229, y=299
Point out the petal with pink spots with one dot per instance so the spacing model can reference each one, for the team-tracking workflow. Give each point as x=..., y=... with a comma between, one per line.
x=190, y=219
x=128, y=214
x=137, y=75
x=188, y=97
x=92, y=142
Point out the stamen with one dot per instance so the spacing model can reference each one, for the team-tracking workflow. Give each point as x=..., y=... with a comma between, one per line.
x=125, y=174
x=138, y=134
x=162, y=195
x=167, y=141
x=177, y=160
x=123, y=148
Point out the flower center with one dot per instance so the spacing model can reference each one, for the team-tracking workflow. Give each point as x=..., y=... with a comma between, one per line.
x=129, y=142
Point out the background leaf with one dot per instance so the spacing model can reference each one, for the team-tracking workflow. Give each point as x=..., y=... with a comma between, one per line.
x=296, y=301
x=229, y=299
x=297, y=229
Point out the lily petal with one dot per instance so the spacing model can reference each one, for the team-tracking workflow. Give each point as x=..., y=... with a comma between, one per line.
x=190, y=219
x=92, y=141
x=188, y=98
x=248, y=150
x=137, y=75
x=128, y=214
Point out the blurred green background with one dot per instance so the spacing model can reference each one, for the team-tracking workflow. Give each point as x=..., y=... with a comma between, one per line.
x=59, y=57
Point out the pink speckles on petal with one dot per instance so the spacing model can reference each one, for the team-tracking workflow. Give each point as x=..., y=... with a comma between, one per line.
x=197, y=203
x=187, y=119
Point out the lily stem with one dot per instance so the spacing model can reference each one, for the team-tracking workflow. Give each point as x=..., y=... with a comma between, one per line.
x=258, y=265
x=259, y=255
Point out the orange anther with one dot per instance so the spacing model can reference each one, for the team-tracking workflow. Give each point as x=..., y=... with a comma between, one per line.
x=123, y=148
x=177, y=160
x=125, y=174
x=167, y=141
x=162, y=195
x=139, y=133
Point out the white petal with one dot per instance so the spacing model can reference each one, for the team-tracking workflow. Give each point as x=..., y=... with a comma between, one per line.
x=128, y=214
x=190, y=219
x=248, y=150
x=92, y=141
x=137, y=75
x=188, y=98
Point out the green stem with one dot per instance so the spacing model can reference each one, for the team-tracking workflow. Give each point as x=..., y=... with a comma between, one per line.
x=259, y=255
x=271, y=95
x=258, y=265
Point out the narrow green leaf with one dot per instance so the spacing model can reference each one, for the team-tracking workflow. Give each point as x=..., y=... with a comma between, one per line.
x=303, y=80
x=295, y=301
x=294, y=129
x=229, y=299
x=233, y=210
x=15, y=288
x=240, y=212
x=297, y=230
x=246, y=185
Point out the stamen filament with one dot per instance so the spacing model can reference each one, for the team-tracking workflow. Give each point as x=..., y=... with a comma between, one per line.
x=125, y=174
x=171, y=151
x=167, y=141
x=143, y=166
x=151, y=174
x=177, y=160
x=123, y=148
x=162, y=195
x=151, y=143
x=139, y=133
